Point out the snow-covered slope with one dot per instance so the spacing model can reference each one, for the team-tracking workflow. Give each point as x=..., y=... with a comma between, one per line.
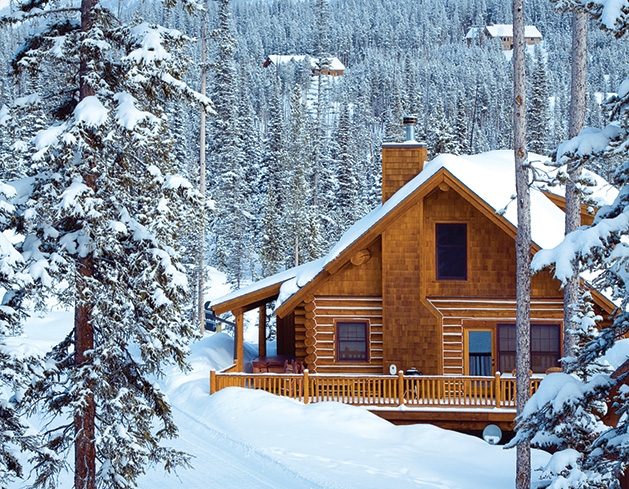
x=249, y=439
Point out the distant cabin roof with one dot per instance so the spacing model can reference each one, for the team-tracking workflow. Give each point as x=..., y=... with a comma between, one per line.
x=277, y=59
x=473, y=32
x=506, y=30
x=490, y=176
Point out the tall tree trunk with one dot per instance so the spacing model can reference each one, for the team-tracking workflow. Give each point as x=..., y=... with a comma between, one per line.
x=202, y=170
x=84, y=417
x=523, y=240
x=573, y=199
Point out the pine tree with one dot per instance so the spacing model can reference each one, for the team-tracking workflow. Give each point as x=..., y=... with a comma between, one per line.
x=598, y=455
x=227, y=185
x=274, y=165
x=413, y=94
x=566, y=414
x=13, y=281
x=460, y=128
x=304, y=238
x=346, y=203
x=441, y=134
x=250, y=141
x=104, y=219
x=539, y=119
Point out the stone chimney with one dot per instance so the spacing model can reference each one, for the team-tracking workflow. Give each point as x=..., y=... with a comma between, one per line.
x=401, y=162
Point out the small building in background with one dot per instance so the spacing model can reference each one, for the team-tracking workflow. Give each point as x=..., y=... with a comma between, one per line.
x=334, y=66
x=504, y=32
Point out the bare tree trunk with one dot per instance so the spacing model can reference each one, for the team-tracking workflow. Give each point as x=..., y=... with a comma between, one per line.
x=523, y=240
x=202, y=170
x=85, y=417
x=573, y=199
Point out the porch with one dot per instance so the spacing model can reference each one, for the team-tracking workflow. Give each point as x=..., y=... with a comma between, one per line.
x=452, y=402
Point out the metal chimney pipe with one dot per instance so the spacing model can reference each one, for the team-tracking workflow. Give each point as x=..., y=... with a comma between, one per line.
x=410, y=121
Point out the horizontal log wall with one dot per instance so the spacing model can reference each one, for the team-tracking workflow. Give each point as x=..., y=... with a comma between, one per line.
x=456, y=311
x=329, y=309
x=452, y=346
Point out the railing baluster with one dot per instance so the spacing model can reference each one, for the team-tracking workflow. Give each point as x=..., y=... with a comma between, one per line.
x=383, y=390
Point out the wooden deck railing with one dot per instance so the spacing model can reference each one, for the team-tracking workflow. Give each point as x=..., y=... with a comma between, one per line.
x=380, y=390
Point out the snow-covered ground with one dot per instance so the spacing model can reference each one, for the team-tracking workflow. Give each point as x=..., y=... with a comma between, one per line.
x=249, y=439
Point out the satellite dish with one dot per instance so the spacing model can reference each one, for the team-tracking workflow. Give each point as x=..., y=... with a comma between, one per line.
x=392, y=369
x=492, y=434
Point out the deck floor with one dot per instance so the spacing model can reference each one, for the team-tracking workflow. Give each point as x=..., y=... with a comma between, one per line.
x=458, y=419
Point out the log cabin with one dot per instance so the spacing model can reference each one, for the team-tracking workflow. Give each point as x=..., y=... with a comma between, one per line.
x=424, y=283
x=334, y=66
x=503, y=32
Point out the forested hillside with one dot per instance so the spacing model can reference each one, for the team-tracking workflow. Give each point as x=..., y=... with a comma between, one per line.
x=294, y=159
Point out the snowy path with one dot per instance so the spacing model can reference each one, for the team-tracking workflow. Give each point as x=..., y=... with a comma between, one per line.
x=230, y=463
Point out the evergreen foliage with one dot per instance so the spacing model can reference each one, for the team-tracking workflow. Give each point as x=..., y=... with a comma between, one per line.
x=102, y=223
x=13, y=282
x=539, y=119
x=294, y=158
x=227, y=185
x=593, y=452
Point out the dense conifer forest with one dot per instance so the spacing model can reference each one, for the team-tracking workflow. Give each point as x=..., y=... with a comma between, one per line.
x=103, y=187
x=294, y=159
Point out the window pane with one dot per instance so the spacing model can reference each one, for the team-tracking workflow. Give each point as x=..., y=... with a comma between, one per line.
x=451, y=251
x=479, y=352
x=451, y=235
x=506, y=347
x=545, y=347
x=351, y=341
x=479, y=341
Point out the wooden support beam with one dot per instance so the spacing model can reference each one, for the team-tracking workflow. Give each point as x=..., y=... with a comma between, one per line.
x=239, y=343
x=262, y=331
x=212, y=381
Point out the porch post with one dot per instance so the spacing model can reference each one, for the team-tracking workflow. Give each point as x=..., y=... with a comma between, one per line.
x=497, y=390
x=212, y=381
x=306, y=381
x=239, y=343
x=400, y=388
x=262, y=331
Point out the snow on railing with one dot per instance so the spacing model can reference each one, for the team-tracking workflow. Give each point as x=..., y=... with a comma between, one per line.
x=380, y=390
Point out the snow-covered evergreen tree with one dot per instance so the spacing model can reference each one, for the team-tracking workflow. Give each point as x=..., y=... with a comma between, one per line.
x=274, y=168
x=346, y=204
x=304, y=238
x=565, y=415
x=102, y=222
x=594, y=455
x=539, y=118
x=461, y=139
x=12, y=372
x=226, y=157
x=441, y=134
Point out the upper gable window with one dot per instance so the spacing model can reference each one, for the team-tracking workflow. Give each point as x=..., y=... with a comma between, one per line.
x=451, y=251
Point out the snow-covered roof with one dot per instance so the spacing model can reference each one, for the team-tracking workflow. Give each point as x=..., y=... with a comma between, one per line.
x=335, y=63
x=490, y=176
x=506, y=30
x=473, y=33
x=273, y=280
